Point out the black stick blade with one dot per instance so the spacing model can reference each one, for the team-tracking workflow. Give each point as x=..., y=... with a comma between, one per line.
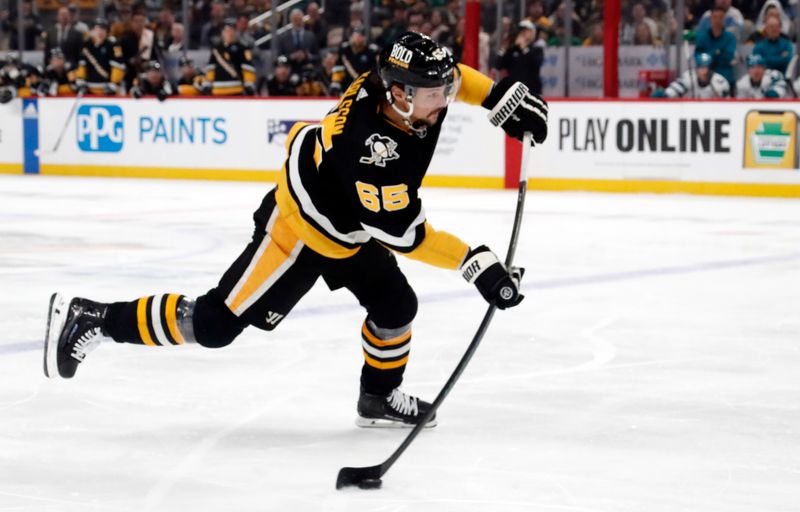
x=364, y=478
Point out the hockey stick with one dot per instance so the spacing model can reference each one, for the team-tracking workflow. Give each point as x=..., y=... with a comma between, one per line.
x=63, y=128
x=370, y=477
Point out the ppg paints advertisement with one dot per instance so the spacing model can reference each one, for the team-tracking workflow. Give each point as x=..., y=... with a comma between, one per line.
x=226, y=139
x=647, y=146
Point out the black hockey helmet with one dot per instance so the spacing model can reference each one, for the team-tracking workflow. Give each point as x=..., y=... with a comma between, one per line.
x=416, y=60
x=101, y=22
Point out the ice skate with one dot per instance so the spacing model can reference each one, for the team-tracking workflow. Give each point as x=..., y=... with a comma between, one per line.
x=395, y=410
x=73, y=331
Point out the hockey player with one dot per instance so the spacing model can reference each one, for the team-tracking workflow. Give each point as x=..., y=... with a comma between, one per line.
x=100, y=69
x=355, y=57
x=17, y=79
x=701, y=83
x=152, y=82
x=191, y=81
x=346, y=200
x=58, y=78
x=230, y=67
x=760, y=82
x=282, y=82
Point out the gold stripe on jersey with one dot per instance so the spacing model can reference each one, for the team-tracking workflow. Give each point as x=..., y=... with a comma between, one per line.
x=227, y=91
x=440, y=249
x=381, y=365
x=279, y=254
x=290, y=213
x=172, y=320
x=475, y=86
x=141, y=321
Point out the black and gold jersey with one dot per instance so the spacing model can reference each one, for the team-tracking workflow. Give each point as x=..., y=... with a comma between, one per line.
x=193, y=86
x=356, y=177
x=351, y=64
x=100, y=66
x=230, y=69
x=59, y=82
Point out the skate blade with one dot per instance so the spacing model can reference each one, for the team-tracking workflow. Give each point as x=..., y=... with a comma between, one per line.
x=56, y=317
x=386, y=423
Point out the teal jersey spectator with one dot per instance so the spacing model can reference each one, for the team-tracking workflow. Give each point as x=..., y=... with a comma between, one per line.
x=722, y=50
x=776, y=53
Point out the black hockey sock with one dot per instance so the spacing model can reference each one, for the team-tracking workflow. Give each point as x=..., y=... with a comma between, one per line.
x=147, y=321
x=385, y=357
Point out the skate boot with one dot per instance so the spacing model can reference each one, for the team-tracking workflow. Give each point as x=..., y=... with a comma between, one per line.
x=395, y=410
x=72, y=332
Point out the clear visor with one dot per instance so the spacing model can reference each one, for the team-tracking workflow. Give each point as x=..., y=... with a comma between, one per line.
x=434, y=98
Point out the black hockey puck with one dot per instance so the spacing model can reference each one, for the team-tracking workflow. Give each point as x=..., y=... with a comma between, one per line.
x=370, y=483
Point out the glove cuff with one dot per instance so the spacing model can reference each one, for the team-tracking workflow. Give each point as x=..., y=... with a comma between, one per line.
x=476, y=263
x=508, y=103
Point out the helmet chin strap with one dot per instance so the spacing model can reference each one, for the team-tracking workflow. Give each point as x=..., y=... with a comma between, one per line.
x=419, y=131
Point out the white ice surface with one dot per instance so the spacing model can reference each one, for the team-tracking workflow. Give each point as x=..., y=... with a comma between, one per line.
x=654, y=366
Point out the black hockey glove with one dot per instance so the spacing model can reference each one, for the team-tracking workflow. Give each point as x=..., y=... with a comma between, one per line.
x=6, y=94
x=498, y=285
x=161, y=95
x=517, y=110
x=136, y=92
x=249, y=89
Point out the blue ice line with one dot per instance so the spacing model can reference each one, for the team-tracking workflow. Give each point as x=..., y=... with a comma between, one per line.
x=709, y=266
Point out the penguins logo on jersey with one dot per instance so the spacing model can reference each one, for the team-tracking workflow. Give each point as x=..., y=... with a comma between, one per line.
x=382, y=150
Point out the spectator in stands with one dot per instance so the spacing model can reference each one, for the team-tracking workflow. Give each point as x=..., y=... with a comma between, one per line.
x=123, y=23
x=297, y=43
x=137, y=47
x=176, y=36
x=355, y=58
x=452, y=13
x=79, y=25
x=243, y=30
x=31, y=28
x=733, y=21
x=394, y=28
x=162, y=29
x=522, y=61
x=210, y=34
x=440, y=32
x=537, y=16
x=557, y=29
x=356, y=15
x=760, y=82
x=327, y=68
x=317, y=25
x=337, y=12
x=488, y=15
x=64, y=36
x=719, y=44
x=769, y=9
x=595, y=35
x=776, y=50
x=643, y=37
x=637, y=17
x=282, y=82
x=191, y=82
